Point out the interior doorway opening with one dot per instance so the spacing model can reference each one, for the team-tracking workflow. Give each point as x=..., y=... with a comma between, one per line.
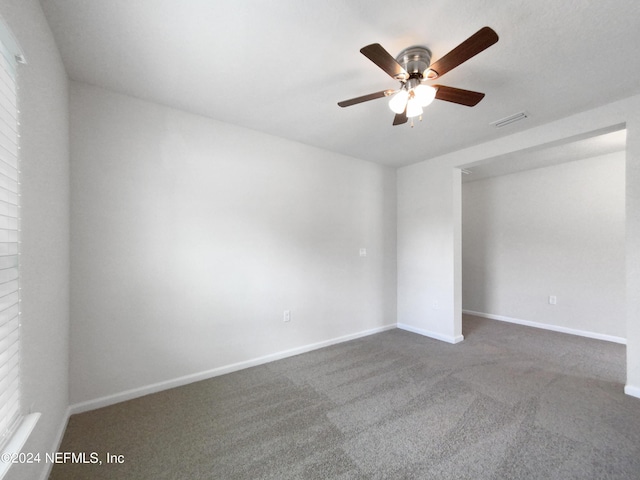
x=543, y=236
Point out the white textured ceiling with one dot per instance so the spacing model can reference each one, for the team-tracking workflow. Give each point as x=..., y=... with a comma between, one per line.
x=281, y=66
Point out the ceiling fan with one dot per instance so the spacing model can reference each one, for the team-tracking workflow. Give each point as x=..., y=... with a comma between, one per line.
x=413, y=66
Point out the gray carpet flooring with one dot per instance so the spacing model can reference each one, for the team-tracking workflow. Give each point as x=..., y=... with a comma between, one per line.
x=510, y=402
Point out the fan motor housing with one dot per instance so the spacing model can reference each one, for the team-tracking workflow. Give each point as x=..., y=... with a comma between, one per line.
x=415, y=60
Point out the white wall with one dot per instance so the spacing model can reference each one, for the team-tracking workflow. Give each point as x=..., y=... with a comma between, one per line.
x=43, y=103
x=422, y=230
x=633, y=250
x=190, y=238
x=559, y=231
x=426, y=237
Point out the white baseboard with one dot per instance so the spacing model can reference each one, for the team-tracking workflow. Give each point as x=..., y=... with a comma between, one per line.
x=180, y=381
x=434, y=335
x=631, y=390
x=546, y=326
x=56, y=443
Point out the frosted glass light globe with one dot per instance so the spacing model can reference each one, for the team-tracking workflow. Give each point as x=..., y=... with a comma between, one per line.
x=398, y=102
x=424, y=94
x=413, y=108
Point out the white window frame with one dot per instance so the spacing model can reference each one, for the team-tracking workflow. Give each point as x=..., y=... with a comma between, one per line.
x=15, y=427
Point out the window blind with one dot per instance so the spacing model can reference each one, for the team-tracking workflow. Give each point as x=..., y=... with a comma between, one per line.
x=9, y=249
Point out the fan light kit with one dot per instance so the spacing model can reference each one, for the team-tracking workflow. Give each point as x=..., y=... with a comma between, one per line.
x=412, y=67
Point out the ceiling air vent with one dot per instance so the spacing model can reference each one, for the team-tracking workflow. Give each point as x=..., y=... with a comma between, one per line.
x=516, y=117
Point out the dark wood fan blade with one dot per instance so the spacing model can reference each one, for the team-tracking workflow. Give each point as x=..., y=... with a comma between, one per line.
x=458, y=95
x=400, y=118
x=476, y=43
x=365, y=98
x=378, y=55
